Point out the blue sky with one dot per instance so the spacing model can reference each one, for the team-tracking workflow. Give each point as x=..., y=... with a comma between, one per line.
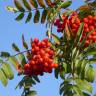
x=11, y=31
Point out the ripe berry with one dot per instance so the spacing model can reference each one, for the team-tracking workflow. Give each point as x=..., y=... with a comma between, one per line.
x=85, y=20
x=36, y=40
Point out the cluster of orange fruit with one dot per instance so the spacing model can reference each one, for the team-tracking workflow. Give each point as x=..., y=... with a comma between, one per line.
x=42, y=58
x=74, y=22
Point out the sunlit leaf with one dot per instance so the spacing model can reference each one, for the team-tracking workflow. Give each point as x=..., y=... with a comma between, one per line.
x=14, y=62
x=66, y=4
x=22, y=59
x=11, y=9
x=3, y=78
x=84, y=85
x=90, y=73
x=8, y=71
x=55, y=38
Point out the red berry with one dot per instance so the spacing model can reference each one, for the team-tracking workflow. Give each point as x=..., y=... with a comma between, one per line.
x=85, y=25
x=90, y=17
x=32, y=62
x=86, y=43
x=94, y=18
x=91, y=28
x=36, y=40
x=89, y=37
x=26, y=67
x=85, y=20
x=86, y=30
x=94, y=34
x=46, y=40
x=55, y=65
x=90, y=22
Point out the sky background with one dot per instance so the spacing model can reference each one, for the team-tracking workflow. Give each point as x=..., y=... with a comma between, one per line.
x=11, y=31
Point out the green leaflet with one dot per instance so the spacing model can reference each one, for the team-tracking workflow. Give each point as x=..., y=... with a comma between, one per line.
x=26, y=4
x=36, y=16
x=84, y=85
x=22, y=59
x=19, y=17
x=4, y=54
x=90, y=74
x=36, y=78
x=8, y=71
x=32, y=93
x=28, y=17
x=19, y=6
x=44, y=15
x=77, y=91
x=3, y=78
x=13, y=61
x=56, y=72
x=24, y=43
x=65, y=4
x=55, y=38
x=83, y=42
x=15, y=47
x=79, y=33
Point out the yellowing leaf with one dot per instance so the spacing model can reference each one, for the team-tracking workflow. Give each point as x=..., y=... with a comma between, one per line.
x=19, y=6
x=41, y=3
x=8, y=71
x=3, y=78
x=84, y=7
x=14, y=62
x=34, y=3
x=49, y=3
x=36, y=16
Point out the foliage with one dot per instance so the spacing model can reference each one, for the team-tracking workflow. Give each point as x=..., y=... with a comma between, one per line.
x=75, y=59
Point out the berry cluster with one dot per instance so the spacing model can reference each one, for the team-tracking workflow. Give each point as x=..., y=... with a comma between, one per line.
x=89, y=25
x=74, y=22
x=42, y=58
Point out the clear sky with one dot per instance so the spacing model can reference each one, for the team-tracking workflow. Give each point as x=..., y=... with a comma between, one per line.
x=11, y=31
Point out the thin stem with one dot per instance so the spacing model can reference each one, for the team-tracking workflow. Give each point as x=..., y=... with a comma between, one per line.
x=20, y=53
x=31, y=10
x=15, y=55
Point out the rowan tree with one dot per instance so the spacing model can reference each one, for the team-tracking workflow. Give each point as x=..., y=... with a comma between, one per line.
x=70, y=54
